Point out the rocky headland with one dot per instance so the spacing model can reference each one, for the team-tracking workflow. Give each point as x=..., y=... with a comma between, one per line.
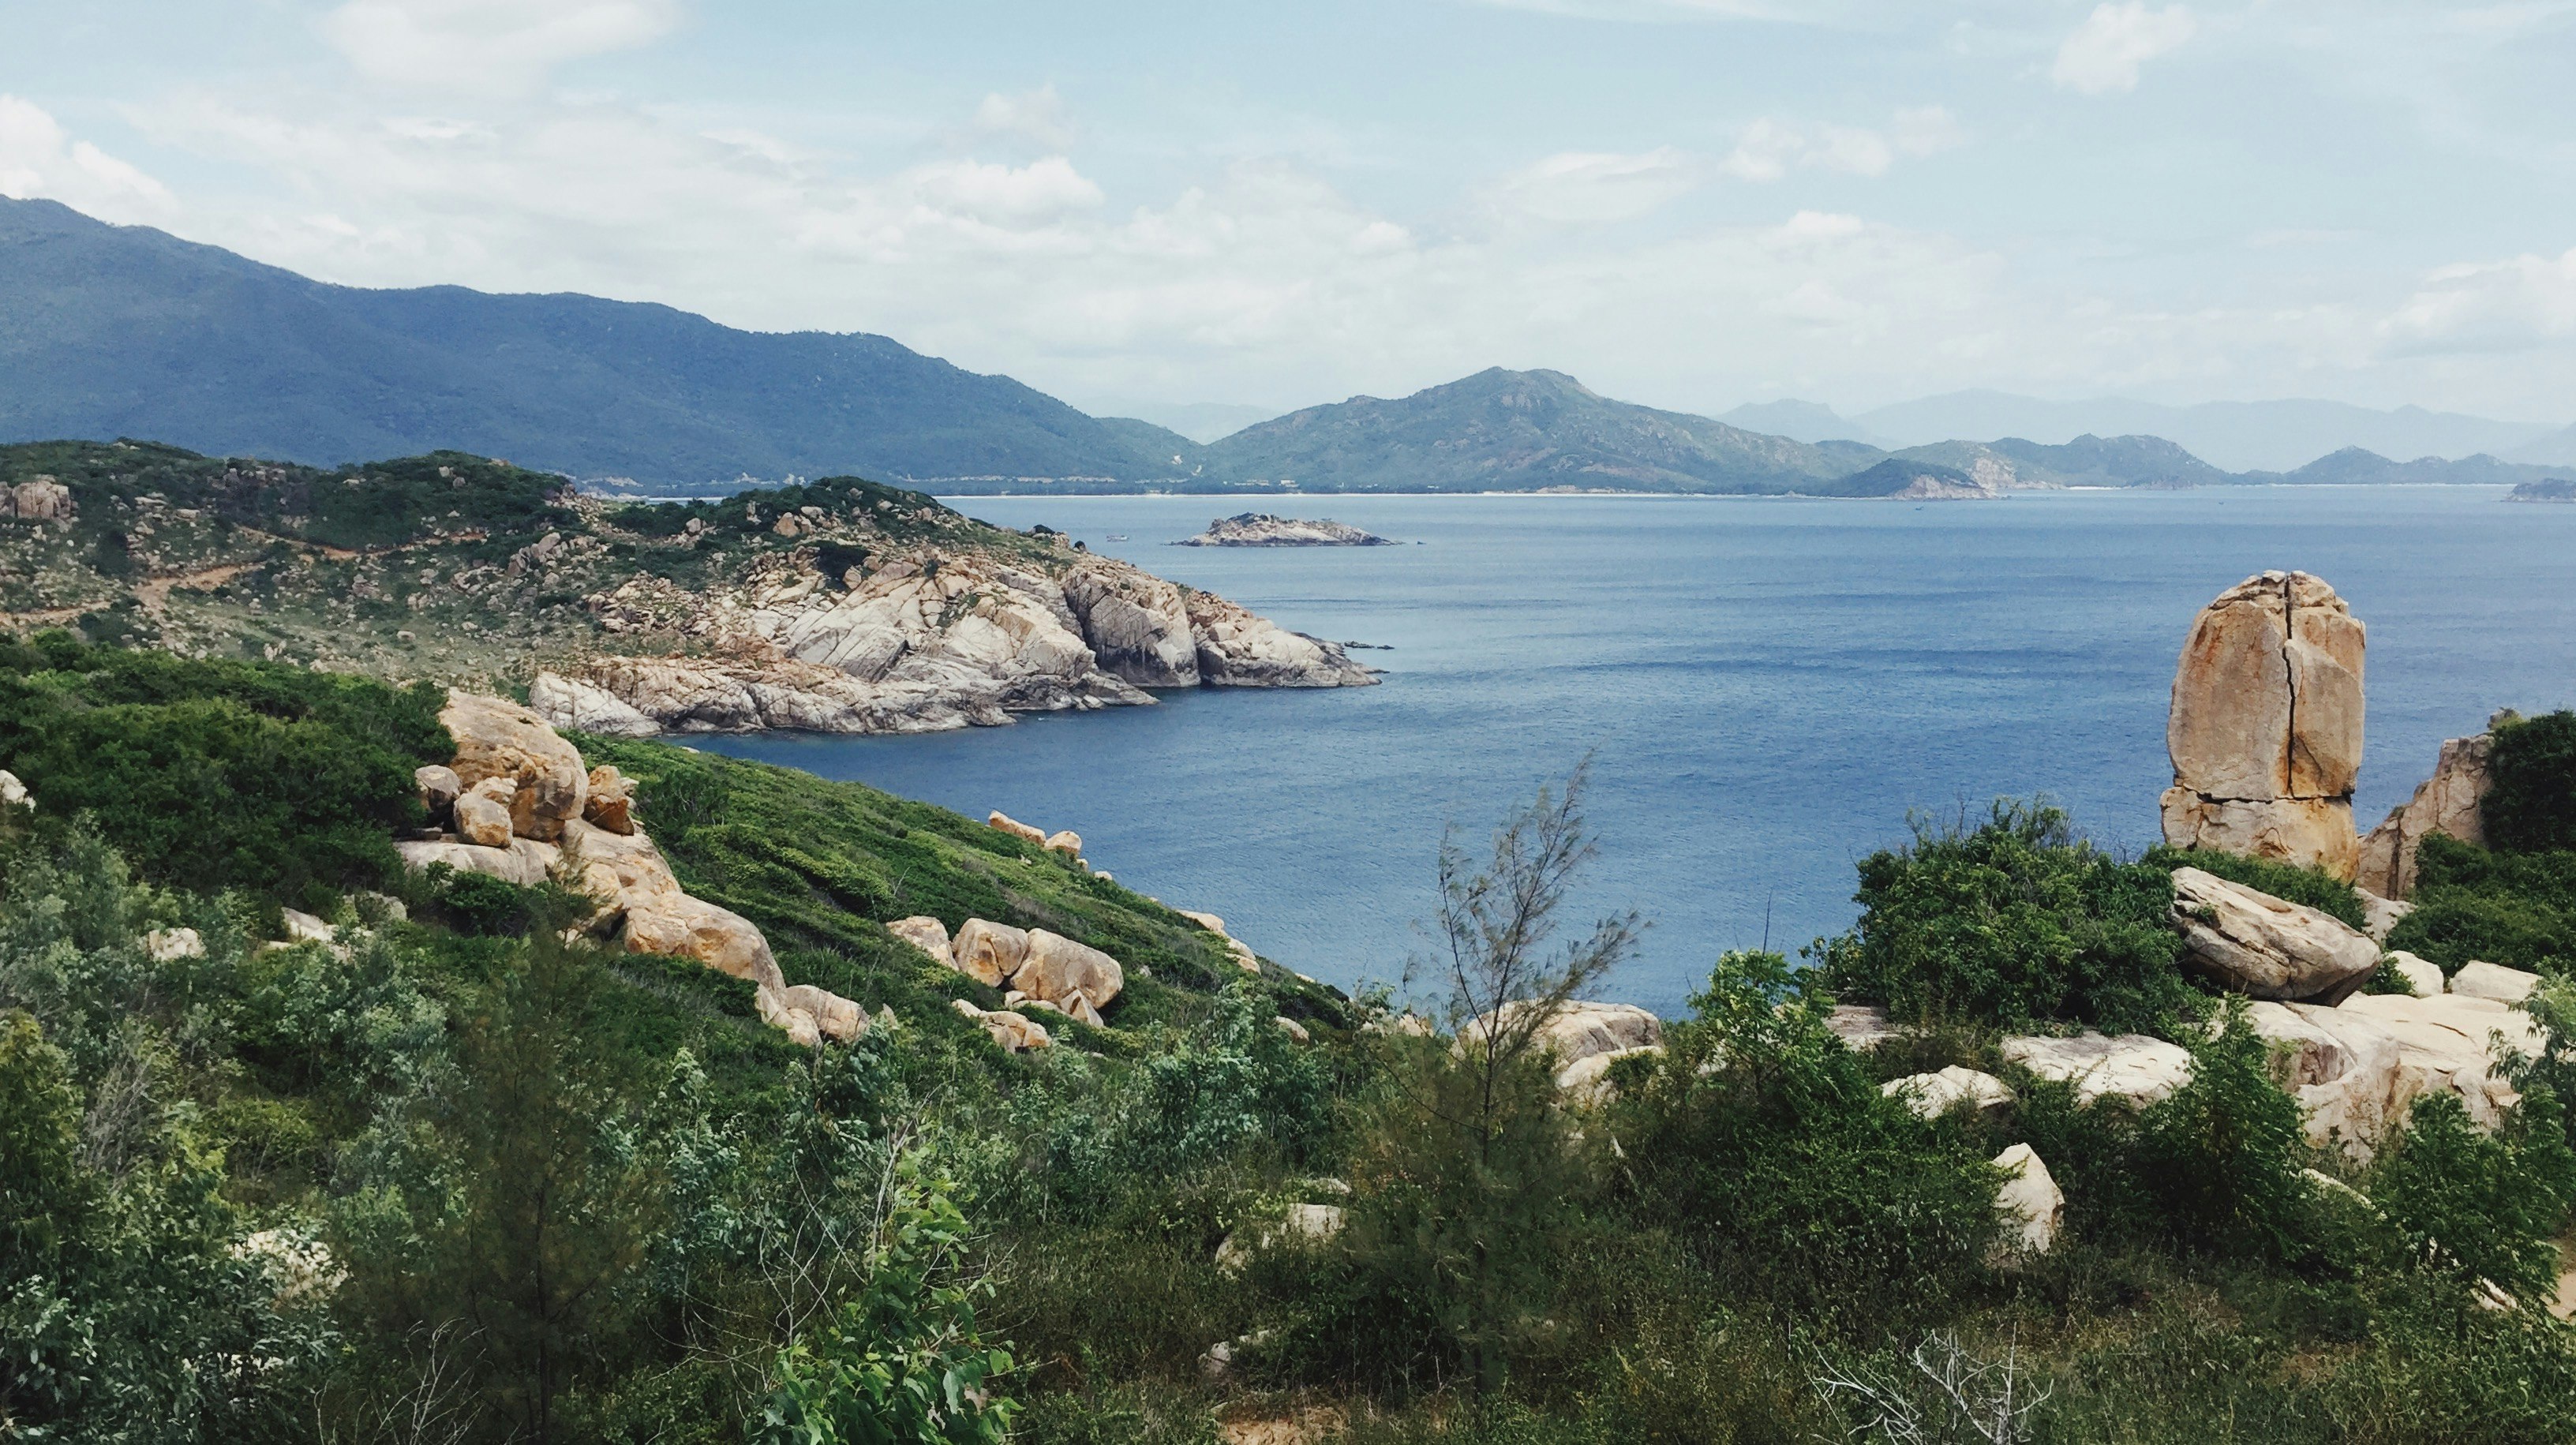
x=834, y=606
x=1261, y=529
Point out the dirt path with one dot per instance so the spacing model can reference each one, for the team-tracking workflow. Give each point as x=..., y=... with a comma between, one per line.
x=155, y=592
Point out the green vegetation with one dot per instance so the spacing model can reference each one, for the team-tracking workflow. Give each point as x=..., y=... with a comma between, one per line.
x=2513, y=902
x=457, y=1178
x=2009, y=923
x=2530, y=806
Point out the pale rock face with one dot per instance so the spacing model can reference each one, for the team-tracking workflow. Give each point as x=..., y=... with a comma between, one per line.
x=2423, y=977
x=1861, y=1026
x=2305, y=832
x=1587, y=1080
x=439, y=788
x=525, y=861
x=41, y=499
x=838, y=1018
x=1004, y=822
x=2260, y=945
x=610, y=806
x=1579, y=1030
x=587, y=707
x=1936, y=1094
x=2359, y=1068
x=2446, y=802
x=800, y=1026
x=927, y=934
x=2266, y=728
x=13, y=794
x=2493, y=981
x=1295, y=1031
x=2032, y=1206
x=620, y=870
x=1014, y=1032
x=167, y=944
x=1239, y=649
x=2381, y=914
x=2133, y=1067
x=988, y=953
x=679, y=926
x=1054, y=968
x=305, y=928
x=496, y=738
x=1136, y=623
x=483, y=813
x=1067, y=842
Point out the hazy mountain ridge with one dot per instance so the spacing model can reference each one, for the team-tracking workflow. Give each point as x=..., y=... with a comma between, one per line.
x=2239, y=436
x=109, y=331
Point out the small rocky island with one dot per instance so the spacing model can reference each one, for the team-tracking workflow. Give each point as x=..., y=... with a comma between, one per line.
x=1260, y=529
x=2553, y=489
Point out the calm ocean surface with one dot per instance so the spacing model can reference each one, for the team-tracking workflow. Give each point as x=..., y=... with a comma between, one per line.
x=1766, y=687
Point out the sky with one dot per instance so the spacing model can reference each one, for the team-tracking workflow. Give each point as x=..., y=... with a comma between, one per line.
x=1687, y=203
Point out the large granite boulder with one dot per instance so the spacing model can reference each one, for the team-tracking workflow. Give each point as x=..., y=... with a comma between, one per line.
x=2357, y=1070
x=987, y=952
x=2265, y=732
x=483, y=813
x=1057, y=969
x=611, y=804
x=438, y=787
x=40, y=499
x=679, y=926
x=2494, y=981
x=525, y=862
x=2134, y=1068
x=1014, y=1032
x=497, y=738
x=1578, y=1030
x=2447, y=802
x=2264, y=946
x=927, y=934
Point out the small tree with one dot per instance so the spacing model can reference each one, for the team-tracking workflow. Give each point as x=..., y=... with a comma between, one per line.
x=1468, y=1177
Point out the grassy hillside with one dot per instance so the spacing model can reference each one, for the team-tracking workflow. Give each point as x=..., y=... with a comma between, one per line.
x=118, y=331
x=458, y=1175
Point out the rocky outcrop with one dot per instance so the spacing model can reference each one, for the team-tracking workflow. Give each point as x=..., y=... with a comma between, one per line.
x=1861, y=1026
x=2423, y=978
x=1236, y=648
x=1058, y=970
x=1261, y=529
x=923, y=643
x=988, y=953
x=522, y=809
x=1014, y=1032
x=2265, y=947
x=2032, y=1207
x=497, y=738
x=1577, y=1030
x=2132, y=1067
x=2358, y=1069
x=927, y=934
x=38, y=499
x=2447, y=802
x=2265, y=732
x=2493, y=981
x=1933, y=1095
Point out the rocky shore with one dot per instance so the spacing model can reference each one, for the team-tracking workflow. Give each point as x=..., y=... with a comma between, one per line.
x=1261, y=529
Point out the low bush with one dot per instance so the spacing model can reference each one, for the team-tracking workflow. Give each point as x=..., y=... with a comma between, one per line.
x=2480, y=1205
x=2011, y=922
x=2516, y=909
x=2530, y=806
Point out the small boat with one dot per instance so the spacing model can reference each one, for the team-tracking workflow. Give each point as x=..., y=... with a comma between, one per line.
x=1116, y=537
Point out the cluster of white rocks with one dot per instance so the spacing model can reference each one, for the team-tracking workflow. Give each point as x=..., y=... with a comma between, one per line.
x=924, y=643
x=1036, y=970
x=517, y=805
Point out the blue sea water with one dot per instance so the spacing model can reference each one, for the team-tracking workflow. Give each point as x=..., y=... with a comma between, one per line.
x=1766, y=687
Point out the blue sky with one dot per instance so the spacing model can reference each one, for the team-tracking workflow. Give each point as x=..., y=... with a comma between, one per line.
x=1690, y=203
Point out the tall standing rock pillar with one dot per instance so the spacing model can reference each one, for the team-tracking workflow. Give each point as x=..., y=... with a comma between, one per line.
x=2265, y=731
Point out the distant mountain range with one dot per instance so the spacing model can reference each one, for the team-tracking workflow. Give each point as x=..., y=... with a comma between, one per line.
x=114, y=331
x=2243, y=436
x=109, y=331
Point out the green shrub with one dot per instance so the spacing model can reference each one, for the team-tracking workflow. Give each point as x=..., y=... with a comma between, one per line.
x=1769, y=1146
x=2482, y=1205
x=2530, y=806
x=2008, y=923
x=209, y=775
x=2516, y=909
x=2223, y=1152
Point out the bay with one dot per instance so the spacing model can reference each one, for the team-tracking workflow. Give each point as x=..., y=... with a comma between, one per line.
x=1766, y=687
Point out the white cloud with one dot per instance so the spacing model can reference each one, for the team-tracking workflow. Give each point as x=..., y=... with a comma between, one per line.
x=2488, y=306
x=1597, y=187
x=2104, y=53
x=37, y=158
x=1037, y=116
x=1768, y=149
x=487, y=45
x=1032, y=192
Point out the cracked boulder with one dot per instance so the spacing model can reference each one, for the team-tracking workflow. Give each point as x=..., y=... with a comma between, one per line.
x=2266, y=947
x=2265, y=731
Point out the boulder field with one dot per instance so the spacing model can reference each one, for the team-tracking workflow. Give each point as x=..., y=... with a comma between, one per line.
x=928, y=642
